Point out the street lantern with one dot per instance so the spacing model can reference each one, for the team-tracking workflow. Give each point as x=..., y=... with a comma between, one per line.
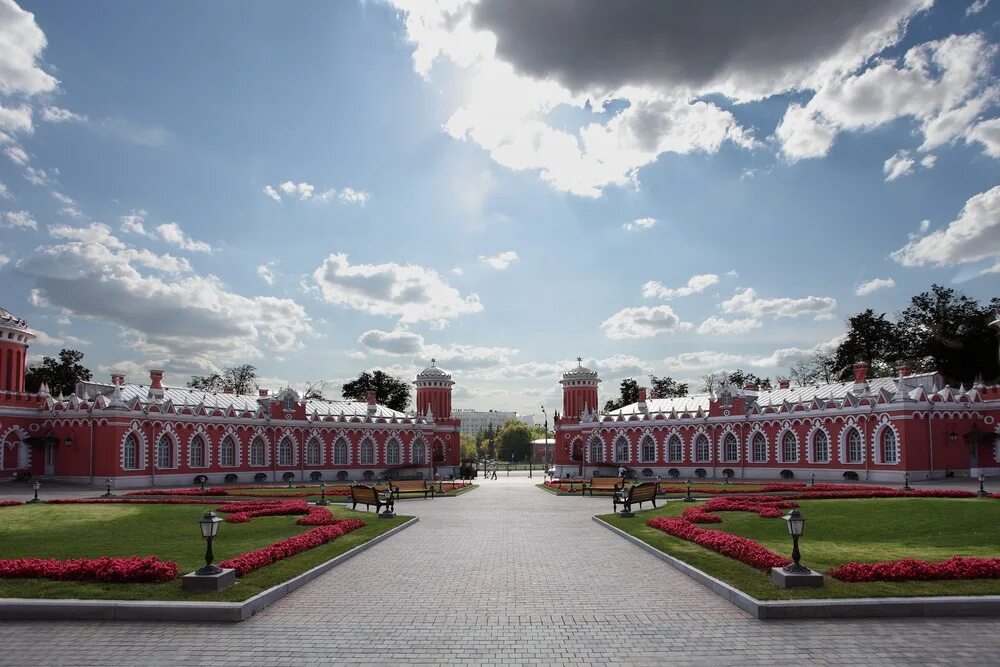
x=209, y=529
x=107, y=489
x=68, y=441
x=812, y=479
x=982, y=491
x=688, y=498
x=953, y=436
x=322, y=498
x=796, y=524
x=37, y=485
x=906, y=481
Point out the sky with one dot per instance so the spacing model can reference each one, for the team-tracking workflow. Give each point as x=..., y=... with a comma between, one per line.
x=322, y=188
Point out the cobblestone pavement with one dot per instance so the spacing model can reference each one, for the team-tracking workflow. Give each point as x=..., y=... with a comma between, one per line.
x=507, y=574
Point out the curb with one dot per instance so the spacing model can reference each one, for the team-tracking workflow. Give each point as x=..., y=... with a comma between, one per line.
x=898, y=607
x=17, y=609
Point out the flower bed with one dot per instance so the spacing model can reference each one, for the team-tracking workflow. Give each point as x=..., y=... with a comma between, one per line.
x=254, y=560
x=740, y=548
x=130, y=501
x=105, y=569
x=217, y=491
x=10, y=503
x=910, y=569
x=241, y=512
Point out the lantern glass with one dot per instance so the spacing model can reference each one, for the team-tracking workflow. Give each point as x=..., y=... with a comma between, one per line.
x=209, y=525
x=36, y=486
x=796, y=523
x=68, y=441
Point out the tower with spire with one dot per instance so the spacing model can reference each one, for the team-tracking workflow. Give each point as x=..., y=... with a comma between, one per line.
x=434, y=392
x=579, y=391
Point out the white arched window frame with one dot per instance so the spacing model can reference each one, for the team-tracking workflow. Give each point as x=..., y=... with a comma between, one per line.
x=366, y=455
x=419, y=451
x=197, y=457
x=289, y=403
x=392, y=452
x=730, y=448
x=130, y=453
x=702, y=451
x=820, y=447
x=758, y=448
x=789, y=448
x=888, y=446
x=258, y=452
x=622, y=450
x=340, y=450
x=647, y=449
x=596, y=450
x=855, y=446
x=675, y=449
x=314, y=452
x=165, y=452
x=286, y=452
x=227, y=452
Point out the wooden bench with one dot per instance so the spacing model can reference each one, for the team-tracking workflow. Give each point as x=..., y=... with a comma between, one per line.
x=412, y=486
x=603, y=484
x=637, y=493
x=362, y=494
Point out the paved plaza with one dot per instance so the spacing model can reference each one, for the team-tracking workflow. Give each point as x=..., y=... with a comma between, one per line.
x=507, y=574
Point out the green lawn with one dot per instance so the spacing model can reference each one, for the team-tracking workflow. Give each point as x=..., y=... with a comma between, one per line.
x=314, y=493
x=169, y=532
x=839, y=531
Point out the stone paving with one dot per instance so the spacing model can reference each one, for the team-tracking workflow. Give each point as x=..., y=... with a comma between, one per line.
x=507, y=574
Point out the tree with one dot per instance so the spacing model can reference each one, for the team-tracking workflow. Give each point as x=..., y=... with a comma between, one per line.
x=61, y=376
x=872, y=339
x=389, y=391
x=667, y=387
x=238, y=379
x=814, y=369
x=490, y=444
x=738, y=378
x=514, y=441
x=629, y=395
x=314, y=390
x=470, y=449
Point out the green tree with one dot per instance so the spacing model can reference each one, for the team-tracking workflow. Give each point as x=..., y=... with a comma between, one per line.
x=239, y=379
x=740, y=378
x=470, y=448
x=815, y=369
x=61, y=376
x=870, y=338
x=667, y=387
x=514, y=441
x=489, y=436
x=629, y=394
x=389, y=391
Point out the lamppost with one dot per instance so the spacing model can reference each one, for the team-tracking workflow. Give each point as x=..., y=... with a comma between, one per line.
x=107, y=489
x=388, y=501
x=35, y=486
x=322, y=495
x=812, y=479
x=796, y=523
x=545, y=451
x=209, y=529
x=688, y=498
x=906, y=481
x=982, y=492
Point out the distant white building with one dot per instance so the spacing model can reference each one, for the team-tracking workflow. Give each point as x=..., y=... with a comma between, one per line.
x=474, y=421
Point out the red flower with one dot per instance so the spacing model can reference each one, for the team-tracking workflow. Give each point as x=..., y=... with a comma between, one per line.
x=908, y=569
x=104, y=569
x=742, y=549
x=254, y=560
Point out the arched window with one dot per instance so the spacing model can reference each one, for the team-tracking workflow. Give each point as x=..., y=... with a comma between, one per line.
x=289, y=403
x=196, y=453
x=596, y=450
x=392, y=453
x=419, y=451
x=675, y=449
x=648, y=449
x=855, y=450
x=701, y=448
x=258, y=452
x=340, y=452
x=227, y=452
x=758, y=448
x=285, y=457
x=165, y=452
x=313, y=452
x=367, y=452
x=821, y=447
x=889, y=454
x=130, y=453
x=789, y=448
x=730, y=448
x=622, y=450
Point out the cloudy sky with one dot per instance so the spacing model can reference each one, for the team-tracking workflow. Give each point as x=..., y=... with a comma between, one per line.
x=322, y=188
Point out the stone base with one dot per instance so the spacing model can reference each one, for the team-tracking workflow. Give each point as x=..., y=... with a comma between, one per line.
x=626, y=515
x=782, y=579
x=387, y=515
x=209, y=583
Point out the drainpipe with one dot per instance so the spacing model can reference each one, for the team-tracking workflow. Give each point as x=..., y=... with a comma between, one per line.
x=715, y=447
x=930, y=442
x=868, y=454
x=90, y=413
x=745, y=450
x=152, y=458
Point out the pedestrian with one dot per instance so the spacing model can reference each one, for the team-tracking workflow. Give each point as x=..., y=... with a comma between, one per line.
x=494, y=472
x=621, y=471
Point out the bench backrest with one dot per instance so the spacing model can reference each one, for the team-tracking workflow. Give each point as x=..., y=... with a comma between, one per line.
x=410, y=485
x=365, y=494
x=642, y=492
x=608, y=482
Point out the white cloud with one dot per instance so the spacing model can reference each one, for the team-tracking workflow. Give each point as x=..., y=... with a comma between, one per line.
x=173, y=234
x=457, y=270
x=401, y=342
x=352, y=196
x=976, y=7
x=642, y=322
x=100, y=234
x=693, y=362
x=17, y=154
x=501, y=261
x=266, y=272
x=133, y=222
x=654, y=289
x=928, y=161
x=4, y=192
x=16, y=119
x=300, y=190
x=4, y=260
x=398, y=342
x=803, y=133
x=272, y=193
x=412, y=293
x=925, y=225
x=747, y=301
x=898, y=165
x=40, y=177
x=19, y=220
x=71, y=211
x=690, y=361
x=639, y=223
x=873, y=285
x=21, y=46
x=719, y=326
x=987, y=133
x=60, y=115
x=307, y=192
x=96, y=232
x=62, y=199
x=973, y=236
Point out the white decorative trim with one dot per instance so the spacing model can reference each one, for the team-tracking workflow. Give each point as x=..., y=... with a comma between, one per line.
x=703, y=437
x=666, y=445
x=877, y=442
x=810, y=443
x=141, y=447
x=641, y=448
x=231, y=436
x=750, y=441
x=347, y=447
x=314, y=438
x=392, y=439
x=171, y=437
x=361, y=443
x=258, y=437
x=727, y=432
x=779, y=445
x=206, y=441
x=844, y=445
x=280, y=438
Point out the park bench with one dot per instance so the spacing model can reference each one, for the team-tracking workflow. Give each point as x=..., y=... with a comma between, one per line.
x=611, y=484
x=412, y=486
x=637, y=493
x=362, y=494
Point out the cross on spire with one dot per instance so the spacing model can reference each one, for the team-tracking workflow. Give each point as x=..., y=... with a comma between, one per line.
x=579, y=360
x=433, y=361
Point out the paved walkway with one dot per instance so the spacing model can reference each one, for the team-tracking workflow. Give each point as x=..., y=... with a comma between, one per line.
x=507, y=574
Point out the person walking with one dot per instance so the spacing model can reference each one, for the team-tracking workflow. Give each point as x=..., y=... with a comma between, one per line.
x=494, y=472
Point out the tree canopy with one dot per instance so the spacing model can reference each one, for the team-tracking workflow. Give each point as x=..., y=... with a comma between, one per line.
x=514, y=441
x=738, y=378
x=665, y=387
x=389, y=391
x=239, y=379
x=61, y=376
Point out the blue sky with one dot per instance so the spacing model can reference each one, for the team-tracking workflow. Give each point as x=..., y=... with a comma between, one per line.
x=323, y=188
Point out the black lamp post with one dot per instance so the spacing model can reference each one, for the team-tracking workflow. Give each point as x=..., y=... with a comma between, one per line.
x=202, y=482
x=796, y=523
x=982, y=492
x=322, y=495
x=906, y=481
x=68, y=441
x=812, y=479
x=389, y=502
x=290, y=483
x=209, y=529
x=107, y=489
x=35, y=486
x=688, y=498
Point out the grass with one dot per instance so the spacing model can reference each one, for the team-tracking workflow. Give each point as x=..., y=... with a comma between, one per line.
x=839, y=531
x=169, y=532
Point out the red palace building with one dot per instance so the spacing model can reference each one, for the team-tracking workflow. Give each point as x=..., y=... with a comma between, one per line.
x=869, y=429
x=148, y=434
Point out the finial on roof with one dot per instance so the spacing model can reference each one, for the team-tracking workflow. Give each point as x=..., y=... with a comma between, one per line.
x=433, y=361
x=579, y=360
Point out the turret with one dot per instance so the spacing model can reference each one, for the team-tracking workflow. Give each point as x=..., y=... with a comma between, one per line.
x=434, y=391
x=14, y=339
x=579, y=390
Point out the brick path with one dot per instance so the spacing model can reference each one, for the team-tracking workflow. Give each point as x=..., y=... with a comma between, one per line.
x=507, y=574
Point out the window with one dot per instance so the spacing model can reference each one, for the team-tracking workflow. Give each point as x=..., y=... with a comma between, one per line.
x=392, y=453
x=648, y=449
x=888, y=446
x=821, y=447
x=675, y=449
x=289, y=403
x=340, y=452
x=731, y=448
x=789, y=448
x=621, y=451
x=596, y=450
x=855, y=450
x=725, y=398
x=197, y=452
x=227, y=452
x=313, y=452
x=759, y=448
x=701, y=449
x=367, y=452
x=165, y=452
x=419, y=451
x=285, y=452
x=130, y=453
x=257, y=452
